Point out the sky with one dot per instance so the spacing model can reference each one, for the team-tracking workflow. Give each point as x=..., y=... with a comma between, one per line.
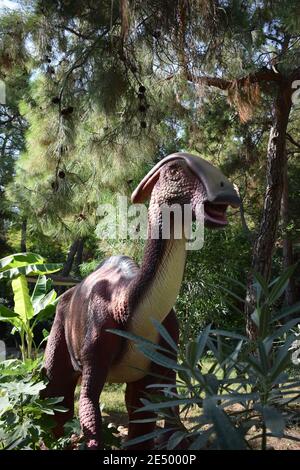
x=8, y=4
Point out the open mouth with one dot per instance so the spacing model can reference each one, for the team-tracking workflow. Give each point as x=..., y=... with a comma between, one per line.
x=215, y=214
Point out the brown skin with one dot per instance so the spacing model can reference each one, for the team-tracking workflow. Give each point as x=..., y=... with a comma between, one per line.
x=116, y=296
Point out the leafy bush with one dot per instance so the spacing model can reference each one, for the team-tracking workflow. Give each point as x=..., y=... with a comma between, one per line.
x=25, y=419
x=224, y=256
x=246, y=392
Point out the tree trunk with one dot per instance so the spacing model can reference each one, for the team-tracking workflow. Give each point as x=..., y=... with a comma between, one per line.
x=79, y=253
x=266, y=237
x=3, y=239
x=23, y=235
x=70, y=259
x=287, y=246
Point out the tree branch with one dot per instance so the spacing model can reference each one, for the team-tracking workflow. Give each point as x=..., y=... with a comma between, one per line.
x=273, y=38
x=262, y=75
x=293, y=141
x=77, y=33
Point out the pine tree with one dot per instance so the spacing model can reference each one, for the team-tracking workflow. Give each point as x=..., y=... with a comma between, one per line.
x=118, y=83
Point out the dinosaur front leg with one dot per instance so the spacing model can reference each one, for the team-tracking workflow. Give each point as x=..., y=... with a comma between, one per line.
x=93, y=379
x=97, y=356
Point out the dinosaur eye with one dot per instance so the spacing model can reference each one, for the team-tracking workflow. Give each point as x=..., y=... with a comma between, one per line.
x=173, y=169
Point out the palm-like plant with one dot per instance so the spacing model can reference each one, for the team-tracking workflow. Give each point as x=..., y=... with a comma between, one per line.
x=28, y=309
x=247, y=384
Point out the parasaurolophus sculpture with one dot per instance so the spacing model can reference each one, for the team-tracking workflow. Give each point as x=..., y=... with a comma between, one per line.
x=122, y=295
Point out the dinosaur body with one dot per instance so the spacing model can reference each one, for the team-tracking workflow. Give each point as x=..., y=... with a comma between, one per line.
x=121, y=295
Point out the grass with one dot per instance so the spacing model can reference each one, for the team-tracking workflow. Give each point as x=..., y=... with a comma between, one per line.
x=113, y=402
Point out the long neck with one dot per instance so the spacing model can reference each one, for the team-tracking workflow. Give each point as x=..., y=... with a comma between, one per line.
x=159, y=280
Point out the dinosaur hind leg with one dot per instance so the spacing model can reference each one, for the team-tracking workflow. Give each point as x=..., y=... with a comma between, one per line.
x=134, y=392
x=60, y=372
x=137, y=390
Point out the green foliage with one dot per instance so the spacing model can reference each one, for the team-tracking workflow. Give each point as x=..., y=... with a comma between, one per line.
x=88, y=267
x=25, y=419
x=28, y=309
x=25, y=264
x=224, y=256
x=85, y=60
x=247, y=384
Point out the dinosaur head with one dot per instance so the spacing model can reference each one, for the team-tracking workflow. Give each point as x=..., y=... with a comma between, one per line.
x=182, y=178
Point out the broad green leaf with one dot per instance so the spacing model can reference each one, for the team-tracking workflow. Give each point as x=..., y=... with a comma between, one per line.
x=165, y=386
x=280, y=285
x=149, y=406
x=146, y=420
x=282, y=359
x=201, y=343
x=201, y=440
x=229, y=334
x=46, y=313
x=159, y=358
x=235, y=398
x=255, y=317
x=195, y=349
x=45, y=333
x=190, y=354
x=23, y=305
x=165, y=334
x=30, y=269
x=235, y=353
x=287, y=311
x=234, y=307
x=11, y=317
x=255, y=364
x=213, y=349
x=175, y=439
x=14, y=367
x=39, y=291
x=232, y=294
x=146, y=437
x=234, y=281
x=13, y=444
x=228, y=436
x=7, y=313
x=263, y=357
x=18, y=388
x=4, y=404
x=283, y=329
x=262, y=283
x=212, y=382
x=138, y=339
x=45, y=301
x=20, y=259
x=273, y=420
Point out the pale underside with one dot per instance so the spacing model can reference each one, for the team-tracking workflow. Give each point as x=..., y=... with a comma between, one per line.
x=159, y=298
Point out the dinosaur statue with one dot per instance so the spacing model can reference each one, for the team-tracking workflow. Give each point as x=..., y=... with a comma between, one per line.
x=122, y=295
